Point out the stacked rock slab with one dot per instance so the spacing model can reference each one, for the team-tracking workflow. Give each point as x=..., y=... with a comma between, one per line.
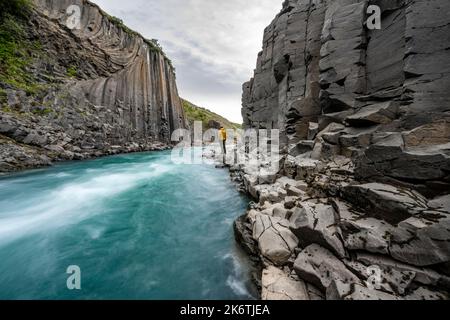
x=123, y=97
x=365, y=129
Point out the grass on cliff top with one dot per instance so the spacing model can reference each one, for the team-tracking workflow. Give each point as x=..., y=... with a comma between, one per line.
x=195, y=113
x=16, y=51
x=16, y=8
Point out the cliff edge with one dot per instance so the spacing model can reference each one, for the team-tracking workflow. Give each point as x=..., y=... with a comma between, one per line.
x=361, y=206
x=80, y=90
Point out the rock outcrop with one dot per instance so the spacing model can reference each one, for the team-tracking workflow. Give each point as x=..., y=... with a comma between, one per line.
x=104, y=89
x=364, y=182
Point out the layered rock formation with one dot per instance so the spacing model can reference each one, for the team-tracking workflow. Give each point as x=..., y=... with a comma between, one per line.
x=106, y=90
x=360, y=208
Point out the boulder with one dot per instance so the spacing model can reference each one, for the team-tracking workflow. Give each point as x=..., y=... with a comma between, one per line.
x=276, y=285
x=315, y=223
x=388, y=202
x=339, y=290
x=422, y=293
x=276, y=242
x=306, y=168
x=391, y=280
x=424, y=276
x=320, y=267
x=422, y=241
x=360, y=232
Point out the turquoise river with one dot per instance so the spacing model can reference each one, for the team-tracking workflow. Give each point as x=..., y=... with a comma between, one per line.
x=138, y=226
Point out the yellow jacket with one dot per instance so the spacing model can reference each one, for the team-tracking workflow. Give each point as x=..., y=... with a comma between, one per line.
x=223, y=134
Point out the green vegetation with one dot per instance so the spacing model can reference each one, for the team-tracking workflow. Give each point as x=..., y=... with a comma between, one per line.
x=42, y=112
x=16, y=8
x=195, y=113
x=16, y=50
x=72, y=71
x=3, y=96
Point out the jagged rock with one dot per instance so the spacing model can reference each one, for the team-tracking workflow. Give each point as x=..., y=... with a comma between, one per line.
x=280, y=211
x=275, y=240
x=267, y=179
x=250, y=182
x=315, y=223
x=289, y=202
x=307, y=168
x=362, y=233
x=440, y=204
x=388, y=160
x=302, y=147
x=315, y=293
x=243, y=235
x=313, y=130
x=389, y=280
x=276, y=285
x=423, y=276
x=320, y=267
x=392, y=204
x=338, y=71
x=383, y=145
x=294, y=192
x=290, y=167
x=368, y=234
x=422, y=241
x=287, y=182
x=426, y=294
x=379, y=113
x=432, y=134
x=343, y=291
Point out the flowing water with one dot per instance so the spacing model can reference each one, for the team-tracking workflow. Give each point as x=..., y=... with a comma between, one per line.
x=138, y=226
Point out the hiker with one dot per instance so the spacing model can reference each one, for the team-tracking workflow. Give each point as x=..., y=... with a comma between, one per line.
x=223, y=139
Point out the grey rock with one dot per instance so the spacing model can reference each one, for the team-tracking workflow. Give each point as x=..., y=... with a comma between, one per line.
x=275, y=240
x=422, y=241
x=276, y=285
x=392, y=204
x=315, y=223
x=320, y=267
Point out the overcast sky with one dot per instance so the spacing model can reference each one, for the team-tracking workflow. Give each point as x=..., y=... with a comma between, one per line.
x=212, y=43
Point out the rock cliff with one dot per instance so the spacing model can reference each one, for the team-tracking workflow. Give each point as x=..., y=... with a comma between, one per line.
x=98, y=88
x=361, y=206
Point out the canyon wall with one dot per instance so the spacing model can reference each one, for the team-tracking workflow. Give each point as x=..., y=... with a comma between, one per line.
x=360, y=208
x=103, y=89
x=386, y=90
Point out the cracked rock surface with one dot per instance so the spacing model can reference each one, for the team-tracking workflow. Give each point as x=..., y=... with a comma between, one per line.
x=364, y=181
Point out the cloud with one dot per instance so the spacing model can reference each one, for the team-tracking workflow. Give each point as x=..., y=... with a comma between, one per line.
x=213, y=44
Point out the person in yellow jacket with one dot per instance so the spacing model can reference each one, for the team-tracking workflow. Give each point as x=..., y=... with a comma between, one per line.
x=223, y=139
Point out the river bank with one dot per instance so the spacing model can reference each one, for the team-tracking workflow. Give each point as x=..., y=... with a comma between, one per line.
x=16, y=156
x=316, y=233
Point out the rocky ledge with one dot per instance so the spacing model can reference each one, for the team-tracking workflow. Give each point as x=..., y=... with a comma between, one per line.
x=317, y=233
x=360, y=208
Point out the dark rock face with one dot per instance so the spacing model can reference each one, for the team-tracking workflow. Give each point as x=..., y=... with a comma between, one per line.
x=321, y=64
x=365, y=123
x=121, y=97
